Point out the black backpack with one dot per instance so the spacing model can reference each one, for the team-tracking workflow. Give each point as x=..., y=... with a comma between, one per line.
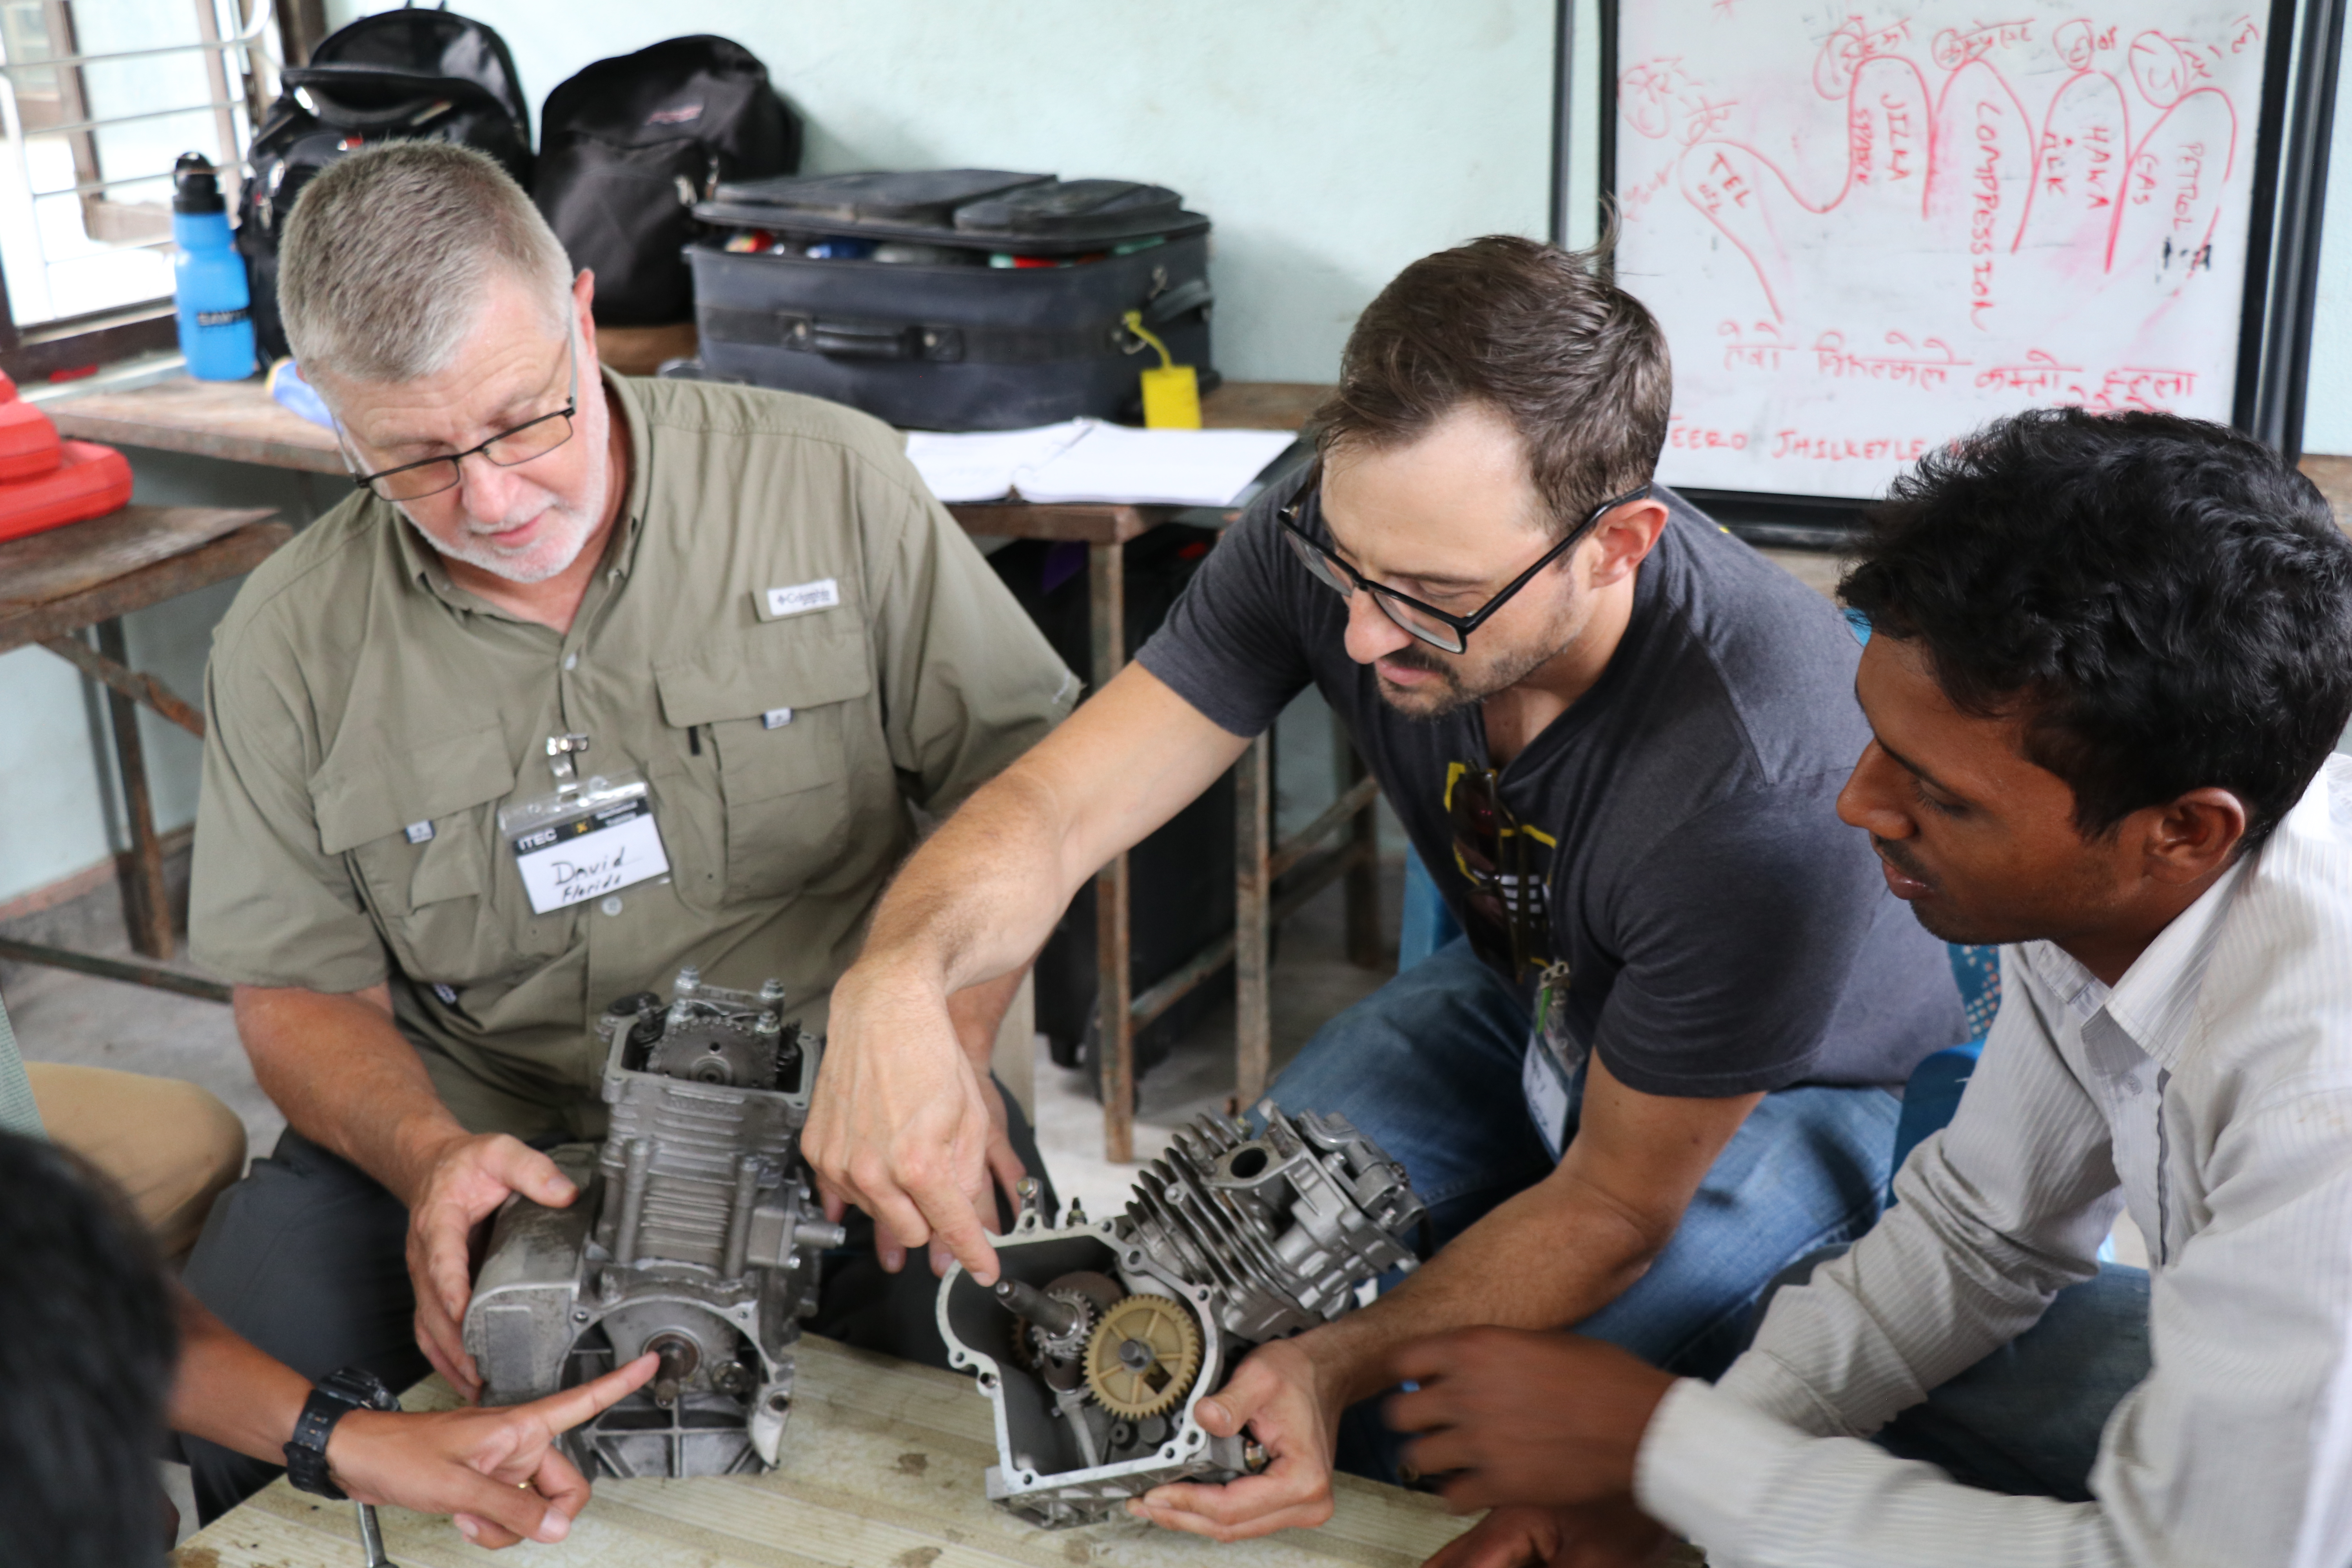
x=405, y=75
x=630, y=144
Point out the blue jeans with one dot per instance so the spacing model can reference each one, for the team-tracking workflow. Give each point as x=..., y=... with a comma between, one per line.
x=2026, y=1419
x=1428, y=1066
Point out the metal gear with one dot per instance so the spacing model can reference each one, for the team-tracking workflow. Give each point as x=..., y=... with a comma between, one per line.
x=1142, y=1357
x=1036, y=1346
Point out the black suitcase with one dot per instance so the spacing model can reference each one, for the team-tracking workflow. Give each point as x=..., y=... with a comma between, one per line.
x=951, y=299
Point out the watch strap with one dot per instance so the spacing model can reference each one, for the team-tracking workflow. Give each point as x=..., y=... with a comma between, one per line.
x=335, y=1396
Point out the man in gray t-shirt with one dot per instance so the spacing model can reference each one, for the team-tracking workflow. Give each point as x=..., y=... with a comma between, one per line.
x=1651, y=1074
x=1722, y=930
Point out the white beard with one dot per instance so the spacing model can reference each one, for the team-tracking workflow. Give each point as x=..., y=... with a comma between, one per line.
x=570, y=523
x=547, y=556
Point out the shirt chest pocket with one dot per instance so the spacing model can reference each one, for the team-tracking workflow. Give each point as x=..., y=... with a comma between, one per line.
x=419, y=830
x=780, y=706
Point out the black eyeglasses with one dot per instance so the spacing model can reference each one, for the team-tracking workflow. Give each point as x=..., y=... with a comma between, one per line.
x=1508, y=919
x=1431, y=624
x=509, y=449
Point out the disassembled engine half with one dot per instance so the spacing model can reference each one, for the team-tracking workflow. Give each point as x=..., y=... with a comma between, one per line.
x=694, y=1237
x=1099, y=1339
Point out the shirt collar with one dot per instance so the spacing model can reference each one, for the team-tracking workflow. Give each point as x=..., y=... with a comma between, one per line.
x=422, y=565
x=2153, y=1000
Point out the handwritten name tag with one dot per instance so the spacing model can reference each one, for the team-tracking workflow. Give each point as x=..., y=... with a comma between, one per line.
x=802, y=598
x=590, y=855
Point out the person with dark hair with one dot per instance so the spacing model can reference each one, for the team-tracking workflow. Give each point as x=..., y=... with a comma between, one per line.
x=1657, y=1068
x=2111, y=657
x=100, y=1351
x=86, y=1350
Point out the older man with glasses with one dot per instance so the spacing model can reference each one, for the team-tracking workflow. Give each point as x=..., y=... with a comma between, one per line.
x=735, y=616
x=1656, y=1070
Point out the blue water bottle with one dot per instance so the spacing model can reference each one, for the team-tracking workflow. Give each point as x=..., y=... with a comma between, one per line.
x=214, y=301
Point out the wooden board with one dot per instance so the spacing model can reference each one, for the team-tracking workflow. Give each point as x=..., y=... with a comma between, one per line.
x=1262, y=404
x=81, y=555
x=1089, y=522
x=1816, y=569
x=881, y=1468
x=231, y=555
x=236, y=420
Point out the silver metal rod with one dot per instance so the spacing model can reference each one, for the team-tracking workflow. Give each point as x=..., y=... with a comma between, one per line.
x=1054, y=1317
x=739, y=1217
x=251, y=38
x=371, y=1539
x=635, y=1176
x=212, y=107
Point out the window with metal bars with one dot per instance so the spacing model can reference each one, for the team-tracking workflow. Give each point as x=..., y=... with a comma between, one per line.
x=97, y=98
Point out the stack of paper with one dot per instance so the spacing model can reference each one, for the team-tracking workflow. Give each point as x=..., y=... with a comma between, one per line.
x=1087, y=460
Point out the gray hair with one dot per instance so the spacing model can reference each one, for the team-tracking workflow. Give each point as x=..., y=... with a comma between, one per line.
x=389, y=250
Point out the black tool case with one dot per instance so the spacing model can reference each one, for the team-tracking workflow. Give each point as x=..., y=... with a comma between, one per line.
x=951, y=300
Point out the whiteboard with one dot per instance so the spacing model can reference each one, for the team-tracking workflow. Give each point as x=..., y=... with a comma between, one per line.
x=1868, y=229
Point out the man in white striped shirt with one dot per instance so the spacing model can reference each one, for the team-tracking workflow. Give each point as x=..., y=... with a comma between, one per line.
x=2112, y=655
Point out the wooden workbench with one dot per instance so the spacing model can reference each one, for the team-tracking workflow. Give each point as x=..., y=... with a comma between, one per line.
x=55, y=585
x=881, y=1468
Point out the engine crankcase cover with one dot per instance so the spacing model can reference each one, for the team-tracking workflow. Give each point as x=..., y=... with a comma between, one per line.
x=1102, y=1337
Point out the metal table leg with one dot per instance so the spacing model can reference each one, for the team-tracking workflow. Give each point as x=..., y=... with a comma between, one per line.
x=1252, y=923
x=146, y=908
x=1106, y=584
x=1363, y=892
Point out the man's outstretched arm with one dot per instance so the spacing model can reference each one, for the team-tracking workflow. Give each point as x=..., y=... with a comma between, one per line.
x=900, y=1124
x=349, y=1082
x=498, y=1471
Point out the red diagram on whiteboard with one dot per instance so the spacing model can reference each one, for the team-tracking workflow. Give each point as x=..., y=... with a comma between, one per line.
x=2053, y=158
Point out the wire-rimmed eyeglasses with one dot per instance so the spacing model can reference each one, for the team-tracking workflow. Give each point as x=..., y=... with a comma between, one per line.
x=509, y=449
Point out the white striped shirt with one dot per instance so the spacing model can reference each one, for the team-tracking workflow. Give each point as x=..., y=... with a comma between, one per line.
x=2211, y=1093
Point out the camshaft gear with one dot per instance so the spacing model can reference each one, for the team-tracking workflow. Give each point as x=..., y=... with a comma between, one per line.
x=1142, y=1357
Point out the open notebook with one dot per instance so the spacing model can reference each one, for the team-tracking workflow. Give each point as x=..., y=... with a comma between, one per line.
x=1087, y=460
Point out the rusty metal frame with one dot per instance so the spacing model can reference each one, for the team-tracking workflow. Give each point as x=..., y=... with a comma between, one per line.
x=1107, y=619
x=59, y=625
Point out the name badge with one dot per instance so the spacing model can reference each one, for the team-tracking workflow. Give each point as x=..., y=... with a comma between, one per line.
x=1546, y=1091
x=802, y=598
x=585, y=842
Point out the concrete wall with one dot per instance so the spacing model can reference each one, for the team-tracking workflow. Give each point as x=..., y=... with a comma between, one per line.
x=2327, y=418
x=1330, y=143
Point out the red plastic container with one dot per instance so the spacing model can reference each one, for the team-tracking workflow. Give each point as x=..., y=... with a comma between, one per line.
x=90, y=481
x=28, y=441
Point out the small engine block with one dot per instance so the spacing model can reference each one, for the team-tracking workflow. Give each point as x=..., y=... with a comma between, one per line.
x=695, y=1237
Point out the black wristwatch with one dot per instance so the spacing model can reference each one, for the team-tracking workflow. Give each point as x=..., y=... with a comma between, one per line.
x=353, y=1388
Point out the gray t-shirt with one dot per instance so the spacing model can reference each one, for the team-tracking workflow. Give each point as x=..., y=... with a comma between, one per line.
x=1726, y=933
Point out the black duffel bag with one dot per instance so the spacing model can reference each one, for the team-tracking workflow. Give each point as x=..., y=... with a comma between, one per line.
x=405, y=75
x=630, y=144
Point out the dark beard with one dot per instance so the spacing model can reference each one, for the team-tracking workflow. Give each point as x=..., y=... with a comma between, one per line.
x=1456, y=694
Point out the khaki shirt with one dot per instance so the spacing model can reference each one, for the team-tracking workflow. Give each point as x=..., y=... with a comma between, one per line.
x=354, y=691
